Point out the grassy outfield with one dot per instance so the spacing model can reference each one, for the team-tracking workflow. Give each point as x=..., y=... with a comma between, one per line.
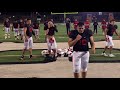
x=61, y=36
x=13, y=57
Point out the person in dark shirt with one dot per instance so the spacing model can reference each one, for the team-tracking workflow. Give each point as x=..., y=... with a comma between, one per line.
x=28, y=40
x=79, y=39
x=109, y=32
x=15, y=29
x=51, y=42
x=7, y=28
x=45, y=29
x=68, y=24
x=36, y=29
x=95, y=24
x=21, y=27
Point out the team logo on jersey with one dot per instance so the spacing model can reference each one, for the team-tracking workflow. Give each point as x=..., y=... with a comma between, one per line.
x=30, y=29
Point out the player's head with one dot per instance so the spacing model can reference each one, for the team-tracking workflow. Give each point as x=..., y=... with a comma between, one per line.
x=112, y=21
x=50, y=23
x=15, y=21
x=67, y=18
x=87, y=20
x=28, y=21
x=51, y=20
x=75, y=19
x=21, y=20
x=7, y=19
x=103, y=19
x=80, y=27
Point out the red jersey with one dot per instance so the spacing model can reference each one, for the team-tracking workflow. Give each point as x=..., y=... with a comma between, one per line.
x=87, y=25
x=75, y=24
x=104, y=24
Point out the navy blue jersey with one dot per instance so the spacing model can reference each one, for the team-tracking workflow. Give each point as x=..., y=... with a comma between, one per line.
x=51, y=31
x=46, y=25
x=95, y=24
x=15, y=25
x=21, y=24
x=7, y=24
x=82, y=44
x=35, y=25
x=68, y=23
x=111, y=29
x=29, y=31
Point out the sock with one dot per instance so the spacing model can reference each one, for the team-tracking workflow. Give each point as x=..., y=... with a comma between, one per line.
x=8, y=35
x=103, y=51
x=30, y=56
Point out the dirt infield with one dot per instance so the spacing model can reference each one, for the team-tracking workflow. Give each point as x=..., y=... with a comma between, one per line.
x=59, y=69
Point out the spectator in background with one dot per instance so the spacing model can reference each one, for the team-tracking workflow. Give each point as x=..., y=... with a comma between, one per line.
x=87, y=24
x=75, y=24
x=95, y=24
x=68, y=22
x=104, y=26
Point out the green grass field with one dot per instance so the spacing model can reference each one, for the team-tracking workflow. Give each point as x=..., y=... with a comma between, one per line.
x=13, y=57
x=61, y=36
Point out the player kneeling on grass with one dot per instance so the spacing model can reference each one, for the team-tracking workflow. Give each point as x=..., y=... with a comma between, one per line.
x=111, y=29
x=51, y=42
x=15, y=29
x=79, y=39
x=28, y=40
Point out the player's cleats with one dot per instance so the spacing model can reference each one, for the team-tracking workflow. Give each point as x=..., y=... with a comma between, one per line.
x=30, y=56
x=22, y=58
x=111, y=55
x=104, y=54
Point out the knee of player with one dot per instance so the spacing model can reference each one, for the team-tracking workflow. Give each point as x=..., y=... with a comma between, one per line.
x=83, y=69
x=76, y=71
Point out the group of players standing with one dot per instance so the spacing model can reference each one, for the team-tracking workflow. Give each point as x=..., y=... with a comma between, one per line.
x=78, y=39
x=18, y=28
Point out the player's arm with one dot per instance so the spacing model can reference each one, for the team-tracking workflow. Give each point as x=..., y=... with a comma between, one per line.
x=92, y=44
x=33, y=32
x=55, y=28
x=72, y=42
x=116, y=27
x=25, y=35
x=117, y=34
x=106, y=30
